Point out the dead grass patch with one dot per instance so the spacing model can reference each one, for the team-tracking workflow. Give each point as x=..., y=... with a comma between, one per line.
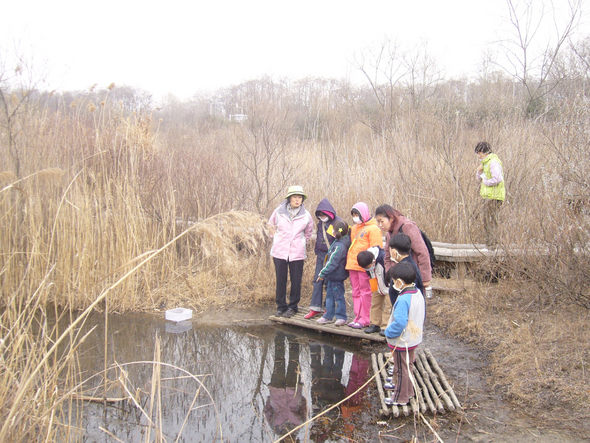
x=538, y=356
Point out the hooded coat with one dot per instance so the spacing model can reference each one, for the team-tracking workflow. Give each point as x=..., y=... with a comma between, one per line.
x=363, y=236
x=324, y=206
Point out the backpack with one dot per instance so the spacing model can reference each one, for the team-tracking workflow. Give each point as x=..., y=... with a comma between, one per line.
x=428, y=244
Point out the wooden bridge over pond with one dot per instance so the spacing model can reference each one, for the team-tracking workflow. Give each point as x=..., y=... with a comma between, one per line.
x=330, y=328
x=433, y=391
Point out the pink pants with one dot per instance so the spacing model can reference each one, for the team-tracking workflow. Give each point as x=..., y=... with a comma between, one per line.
x=361, y=297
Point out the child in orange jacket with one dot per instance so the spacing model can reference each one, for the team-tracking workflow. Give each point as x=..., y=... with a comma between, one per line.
x=364, y=234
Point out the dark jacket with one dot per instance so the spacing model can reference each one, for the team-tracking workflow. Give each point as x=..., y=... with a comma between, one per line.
x=419, y=284
x=335, y=267
x=320, y=243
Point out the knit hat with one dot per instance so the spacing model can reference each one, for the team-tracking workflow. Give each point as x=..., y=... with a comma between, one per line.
x=295, y=190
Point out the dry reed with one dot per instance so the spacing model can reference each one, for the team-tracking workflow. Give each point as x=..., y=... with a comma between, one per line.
x=101, y=189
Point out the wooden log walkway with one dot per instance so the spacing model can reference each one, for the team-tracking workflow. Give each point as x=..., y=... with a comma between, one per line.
x=461, y=255
x=298, y=320
x=433, y=391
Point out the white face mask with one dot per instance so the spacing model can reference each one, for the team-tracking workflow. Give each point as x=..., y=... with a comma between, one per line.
x=323, y=218
x=397, y=287
x=356, y=219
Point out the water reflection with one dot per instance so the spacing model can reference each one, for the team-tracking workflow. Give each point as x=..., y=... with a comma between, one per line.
x=257, y=383
x=285, y=406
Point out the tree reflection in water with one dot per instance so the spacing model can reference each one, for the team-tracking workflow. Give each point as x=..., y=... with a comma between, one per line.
x=263, y=382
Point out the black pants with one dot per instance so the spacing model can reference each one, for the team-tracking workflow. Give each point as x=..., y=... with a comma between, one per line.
x=281, y=378
x=295, y=269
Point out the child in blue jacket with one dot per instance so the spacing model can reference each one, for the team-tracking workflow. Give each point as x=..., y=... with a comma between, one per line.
x=334, y=273
x=404, y=332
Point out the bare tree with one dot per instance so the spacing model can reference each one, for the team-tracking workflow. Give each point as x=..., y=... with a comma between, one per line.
x=531, y=67
x=384, y=70
x=400, y=81
x=263, y=152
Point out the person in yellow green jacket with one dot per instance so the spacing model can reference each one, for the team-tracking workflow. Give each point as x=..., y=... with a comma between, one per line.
x=492, y=189
x=364, y=234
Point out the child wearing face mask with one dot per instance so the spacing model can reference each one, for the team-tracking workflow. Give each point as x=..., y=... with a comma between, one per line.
x=404, y=332
x=372, y=260
x=364, y=234
x=335, y=274
x=400, y=246
x=326, y=215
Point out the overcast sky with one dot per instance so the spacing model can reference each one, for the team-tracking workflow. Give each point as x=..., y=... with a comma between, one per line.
x=183, y=47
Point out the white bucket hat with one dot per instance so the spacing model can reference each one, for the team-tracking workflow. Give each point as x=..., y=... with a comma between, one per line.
x=296, y=190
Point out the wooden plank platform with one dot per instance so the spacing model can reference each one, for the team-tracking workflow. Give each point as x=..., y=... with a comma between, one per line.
x=298, y=320
x=433, y=391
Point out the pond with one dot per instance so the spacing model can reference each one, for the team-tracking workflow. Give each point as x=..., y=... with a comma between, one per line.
x=252, y=383
x=238, y=377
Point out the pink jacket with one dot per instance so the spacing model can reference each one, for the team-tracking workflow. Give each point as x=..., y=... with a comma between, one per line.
x=291, y=235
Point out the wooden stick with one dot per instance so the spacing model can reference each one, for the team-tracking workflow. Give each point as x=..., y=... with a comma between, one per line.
x=384, y=408
x=418, y=390
x=405, y=409
x=432, y=391
x=100, y=399
x=424, y=396
x=436, y=383
x=415, y=406
x=442, y=377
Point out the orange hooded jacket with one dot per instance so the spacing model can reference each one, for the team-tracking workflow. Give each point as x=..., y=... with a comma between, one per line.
x=362, y=236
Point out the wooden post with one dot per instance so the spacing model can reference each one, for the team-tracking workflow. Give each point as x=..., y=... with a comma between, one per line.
x=461, y=272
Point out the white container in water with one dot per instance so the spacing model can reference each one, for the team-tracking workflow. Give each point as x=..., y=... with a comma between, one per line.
x=179, y=314
x=178, y=327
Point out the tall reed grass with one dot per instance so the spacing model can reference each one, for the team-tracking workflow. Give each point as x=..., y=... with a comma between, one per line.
x=100, y=189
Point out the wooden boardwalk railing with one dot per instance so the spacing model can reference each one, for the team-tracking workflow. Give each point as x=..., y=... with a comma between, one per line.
x=461, y=254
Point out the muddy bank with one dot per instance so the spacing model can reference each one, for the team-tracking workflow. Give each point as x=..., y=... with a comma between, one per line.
x=252, y=368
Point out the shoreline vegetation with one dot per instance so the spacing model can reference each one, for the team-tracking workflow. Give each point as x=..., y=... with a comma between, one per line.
x=97, y=182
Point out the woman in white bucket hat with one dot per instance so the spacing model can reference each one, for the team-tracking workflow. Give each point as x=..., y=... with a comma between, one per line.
x=291, y=225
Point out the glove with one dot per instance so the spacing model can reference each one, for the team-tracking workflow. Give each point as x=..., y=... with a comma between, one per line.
x=428, y=291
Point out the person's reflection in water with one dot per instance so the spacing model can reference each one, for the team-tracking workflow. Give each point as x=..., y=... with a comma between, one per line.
x=327, y=388
x=359, y=371
x=285, y=407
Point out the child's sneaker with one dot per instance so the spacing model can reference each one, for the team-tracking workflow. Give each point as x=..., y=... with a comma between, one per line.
x=355, y=325
x=340, y=322
x=389, y=402
x=388, y=386
x=311, y=314
x=323, y=320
